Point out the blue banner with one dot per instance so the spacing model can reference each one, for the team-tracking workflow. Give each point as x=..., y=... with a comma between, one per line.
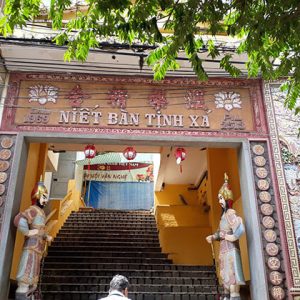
x=120, y=195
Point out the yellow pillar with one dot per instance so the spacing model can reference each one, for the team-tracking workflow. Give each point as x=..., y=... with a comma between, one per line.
x=220, y=161
x=36, y=164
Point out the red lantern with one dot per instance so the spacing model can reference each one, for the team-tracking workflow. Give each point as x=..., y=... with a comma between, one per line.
x=90, y=151
x=129, y=153
x=180, y=155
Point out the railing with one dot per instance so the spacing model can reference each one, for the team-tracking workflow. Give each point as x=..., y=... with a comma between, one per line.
x=66, y=203
x=61, y=209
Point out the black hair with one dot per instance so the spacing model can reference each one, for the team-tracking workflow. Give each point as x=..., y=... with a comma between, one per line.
x=224, y=209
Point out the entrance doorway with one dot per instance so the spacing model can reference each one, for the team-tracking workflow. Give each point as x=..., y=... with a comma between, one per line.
x=213, y=173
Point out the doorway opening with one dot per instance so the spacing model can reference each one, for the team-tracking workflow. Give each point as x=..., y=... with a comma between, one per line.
x=184, y=201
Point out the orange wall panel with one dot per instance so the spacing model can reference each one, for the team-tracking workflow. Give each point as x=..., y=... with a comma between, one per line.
x=219, y=162
x=35, y=164
x=182, y=228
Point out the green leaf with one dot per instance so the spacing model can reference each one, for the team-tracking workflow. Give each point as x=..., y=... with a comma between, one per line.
x=212, y=49
x=265, y=32
x=226, y=64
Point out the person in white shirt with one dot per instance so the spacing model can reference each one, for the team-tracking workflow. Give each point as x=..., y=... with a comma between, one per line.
x=118, y=288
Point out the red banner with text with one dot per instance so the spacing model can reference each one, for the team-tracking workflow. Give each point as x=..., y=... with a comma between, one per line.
x=120, y=172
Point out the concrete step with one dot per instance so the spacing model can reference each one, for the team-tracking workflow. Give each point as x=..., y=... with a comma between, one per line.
x=104, y=228
x=66, y=251
x=138, y=242
x=205, y=280
x=116, y=218
x=95, y=245
x=110, y=260
x=77, y=295
x=112, y=224
x=92, y=272
x=155, y=288
x=111, y=265
x=107, y=234
x=107, y=246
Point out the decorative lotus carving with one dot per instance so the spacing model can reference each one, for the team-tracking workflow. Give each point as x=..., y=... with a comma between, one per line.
x=43, y=94
x=228, y=100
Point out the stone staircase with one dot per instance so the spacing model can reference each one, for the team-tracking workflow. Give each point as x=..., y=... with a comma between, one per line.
x=93, y=246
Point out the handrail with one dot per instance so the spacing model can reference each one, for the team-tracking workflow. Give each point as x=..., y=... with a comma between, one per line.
x=49, y=216
x=68, y=195
x=65, y=206
x=66, y=203
x=82, y=202
x=62, y=208
x=50, y=225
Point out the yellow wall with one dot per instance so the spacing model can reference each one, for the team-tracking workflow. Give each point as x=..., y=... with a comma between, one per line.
x=182, y=228
x=202, y=194
x=186, y=245
x=36, y=163
x=181, y=216
x=63, y=208
x=219, y=162
x=170, y=195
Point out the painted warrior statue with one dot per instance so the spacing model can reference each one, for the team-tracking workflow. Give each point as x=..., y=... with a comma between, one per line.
x=31, y=223
x=230, y=229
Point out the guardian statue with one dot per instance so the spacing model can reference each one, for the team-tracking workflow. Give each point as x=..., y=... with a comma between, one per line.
x=230, y=229
x=31, y=223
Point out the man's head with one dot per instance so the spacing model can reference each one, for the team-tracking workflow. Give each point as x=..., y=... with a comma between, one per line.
x=119, y=283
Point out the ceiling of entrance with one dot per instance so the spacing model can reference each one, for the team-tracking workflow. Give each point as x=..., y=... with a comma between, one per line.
x=193, y=167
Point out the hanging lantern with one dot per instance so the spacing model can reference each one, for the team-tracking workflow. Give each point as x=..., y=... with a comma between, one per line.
x=90, y=151
x=180, y=155
x=129, y=153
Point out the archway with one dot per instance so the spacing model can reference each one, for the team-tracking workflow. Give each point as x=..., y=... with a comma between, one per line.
x=240, y=147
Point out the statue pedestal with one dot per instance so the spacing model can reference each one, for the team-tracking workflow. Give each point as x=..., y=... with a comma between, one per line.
x=32, y=294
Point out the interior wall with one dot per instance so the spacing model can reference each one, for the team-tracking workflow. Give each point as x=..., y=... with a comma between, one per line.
x=182, y=227
x=221, y=161
x=53, y=161
x=63, y=208
x=170, y=195
x=36, y=163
